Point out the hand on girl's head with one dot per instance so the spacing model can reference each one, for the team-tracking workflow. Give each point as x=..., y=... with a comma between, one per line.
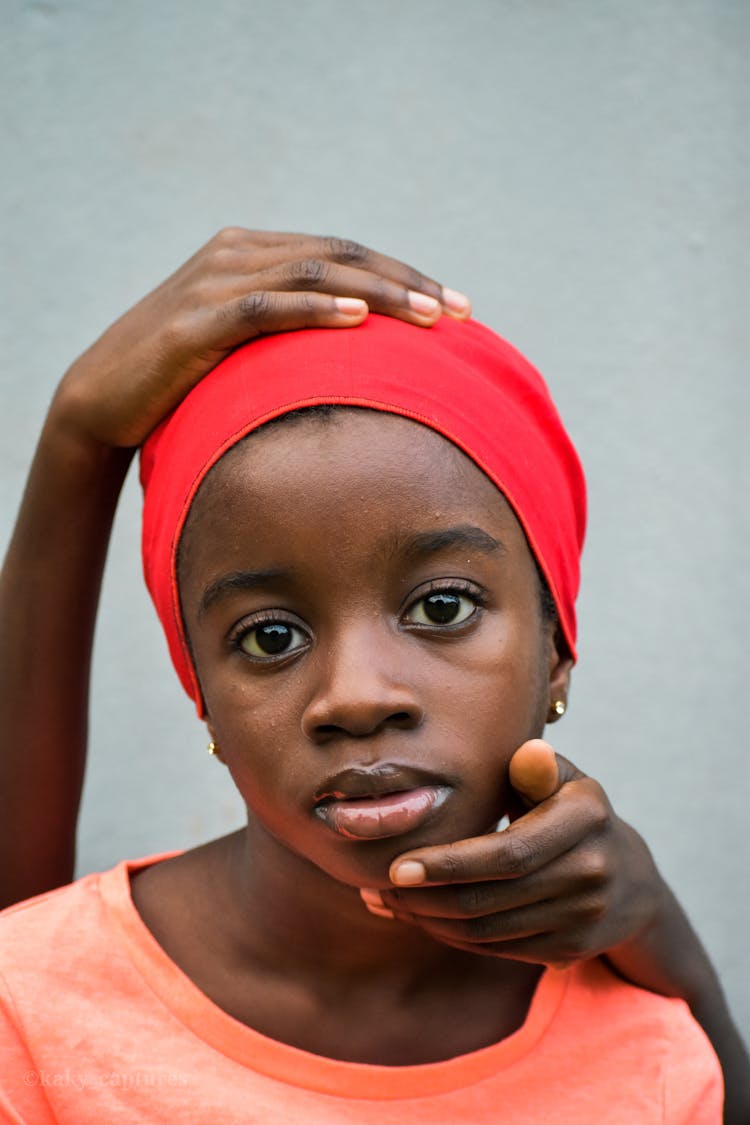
x=240, y=285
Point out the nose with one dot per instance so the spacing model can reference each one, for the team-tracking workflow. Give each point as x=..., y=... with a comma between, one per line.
x=361, y=689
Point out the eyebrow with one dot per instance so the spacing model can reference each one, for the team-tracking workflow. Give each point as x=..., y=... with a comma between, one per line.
x=463, y=535
x=415, y=546
x=240, y=580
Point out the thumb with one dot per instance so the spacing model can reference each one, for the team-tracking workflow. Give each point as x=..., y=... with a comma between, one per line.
x=533, y=771
x=537, y=772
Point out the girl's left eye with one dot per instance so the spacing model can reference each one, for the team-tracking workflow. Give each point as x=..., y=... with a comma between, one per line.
x=274, y=638
x=443, y=607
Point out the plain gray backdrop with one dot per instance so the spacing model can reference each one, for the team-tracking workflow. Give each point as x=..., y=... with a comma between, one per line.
x=581, y=170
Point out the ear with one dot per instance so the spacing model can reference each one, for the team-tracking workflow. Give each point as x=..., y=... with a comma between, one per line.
x=559, y=667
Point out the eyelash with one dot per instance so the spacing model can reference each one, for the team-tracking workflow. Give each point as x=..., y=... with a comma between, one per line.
x=246, y=629
x=453, y=587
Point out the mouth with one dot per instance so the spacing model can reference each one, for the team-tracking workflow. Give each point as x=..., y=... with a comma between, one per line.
x=373, y=804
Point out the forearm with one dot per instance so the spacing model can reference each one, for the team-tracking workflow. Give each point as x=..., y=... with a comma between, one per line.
x=669, y=958
x=49, y=593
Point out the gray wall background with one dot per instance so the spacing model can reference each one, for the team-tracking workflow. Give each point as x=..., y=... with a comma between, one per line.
x=580, y=169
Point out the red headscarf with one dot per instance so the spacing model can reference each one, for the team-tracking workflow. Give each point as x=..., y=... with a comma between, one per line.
x=458, y=378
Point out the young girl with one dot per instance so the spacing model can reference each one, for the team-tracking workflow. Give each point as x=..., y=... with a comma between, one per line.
x=363, y=547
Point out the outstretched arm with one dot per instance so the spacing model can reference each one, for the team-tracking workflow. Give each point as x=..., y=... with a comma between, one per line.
x=240, y=285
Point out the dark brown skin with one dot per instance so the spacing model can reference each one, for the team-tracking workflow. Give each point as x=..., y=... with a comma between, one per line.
x=609, y=894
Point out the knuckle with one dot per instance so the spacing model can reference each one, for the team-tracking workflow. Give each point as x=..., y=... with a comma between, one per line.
x=346, y=251
x=600, y=816
x=597, y=805
x=452, y=868
x=223, y=258
x=307, y=305
x=521, y=855
x=178, y=333
x=471, y=899
x=255, y=306
x=307, y=273
x=229, y=236
x=596, y=872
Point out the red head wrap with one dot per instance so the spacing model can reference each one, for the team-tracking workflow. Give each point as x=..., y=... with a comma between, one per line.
x=458, y=378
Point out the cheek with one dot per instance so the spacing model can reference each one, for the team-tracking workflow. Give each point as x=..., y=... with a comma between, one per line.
x=256, y=720
x=499, y=677
x=248, y=720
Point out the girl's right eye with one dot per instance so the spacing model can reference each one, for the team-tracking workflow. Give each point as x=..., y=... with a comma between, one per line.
x=271, y=639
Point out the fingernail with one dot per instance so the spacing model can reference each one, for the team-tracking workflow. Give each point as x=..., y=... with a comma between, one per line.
x=424, y=305
x=408, y=873
x=456, y=302
x=374, y=903
x=378, y=912
x=350, y=306
x=372, y=897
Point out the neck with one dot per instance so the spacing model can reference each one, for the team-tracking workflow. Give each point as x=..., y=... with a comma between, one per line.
x=292, y=918
x=294, y=954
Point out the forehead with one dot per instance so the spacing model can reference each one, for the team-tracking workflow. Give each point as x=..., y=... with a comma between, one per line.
x=333, y=462
x=348, y=499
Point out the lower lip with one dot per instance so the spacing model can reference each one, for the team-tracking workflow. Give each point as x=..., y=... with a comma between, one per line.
x=374, y=818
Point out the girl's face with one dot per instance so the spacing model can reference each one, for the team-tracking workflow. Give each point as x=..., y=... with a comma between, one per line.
x=365, y=620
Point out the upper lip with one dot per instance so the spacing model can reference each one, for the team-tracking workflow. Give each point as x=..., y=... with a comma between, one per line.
x=376, y=781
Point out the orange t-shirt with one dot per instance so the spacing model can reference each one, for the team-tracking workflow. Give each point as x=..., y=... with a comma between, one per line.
x=98, y=1025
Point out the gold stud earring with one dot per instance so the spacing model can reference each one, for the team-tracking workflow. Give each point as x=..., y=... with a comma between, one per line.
x=213, y=749
x=559, y=707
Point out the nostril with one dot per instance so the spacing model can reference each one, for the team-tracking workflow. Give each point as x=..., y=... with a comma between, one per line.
x=359, y=710
x=404, y=720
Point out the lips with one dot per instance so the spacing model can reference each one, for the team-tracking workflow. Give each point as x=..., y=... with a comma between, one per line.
x=386, y=800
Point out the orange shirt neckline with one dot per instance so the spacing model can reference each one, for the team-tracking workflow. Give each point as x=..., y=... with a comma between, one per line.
x=292, y=1065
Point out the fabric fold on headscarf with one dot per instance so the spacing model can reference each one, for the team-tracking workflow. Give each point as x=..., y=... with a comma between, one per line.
x=458, y=377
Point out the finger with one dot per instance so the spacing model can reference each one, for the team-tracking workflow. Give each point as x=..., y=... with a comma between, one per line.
x=373, y=901
x=544, y=833
x=345, y=252
x=381, y=294
x=537, y=772
x=512, y=925
x=578, y=872
x=262, y=312
x=571, y=929
x=533, y=771
x=271, y=249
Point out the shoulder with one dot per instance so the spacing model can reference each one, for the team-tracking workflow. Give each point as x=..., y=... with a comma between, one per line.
x=645, y=1034
x=72, y=902
x=596, y=995
x=31, y=922
x=66, y=933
